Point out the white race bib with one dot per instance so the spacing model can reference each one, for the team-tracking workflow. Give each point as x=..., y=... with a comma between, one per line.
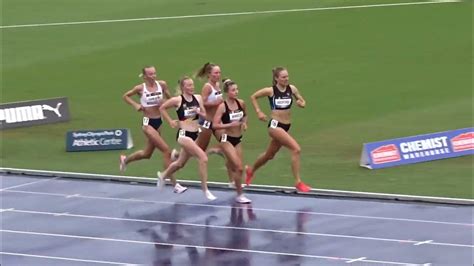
x=146, y=120
x=189, y=112
x=283, y=102
x=237, y=116
x=206, y=124
x=224, y=138
x=273, y=123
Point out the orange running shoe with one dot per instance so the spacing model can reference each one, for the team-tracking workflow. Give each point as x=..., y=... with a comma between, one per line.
x=302, y=187
x=248, y=175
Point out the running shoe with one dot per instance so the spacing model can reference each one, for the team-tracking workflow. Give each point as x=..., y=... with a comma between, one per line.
x=242, y=199
x=209, y=195
x=302, y=187
x=160, y=181
x=179, y=189
x=174, y=155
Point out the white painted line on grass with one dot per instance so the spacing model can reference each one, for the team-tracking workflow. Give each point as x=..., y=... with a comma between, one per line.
x=62, y=258
x=226, y=14
x=256, y=209
x=196, y=246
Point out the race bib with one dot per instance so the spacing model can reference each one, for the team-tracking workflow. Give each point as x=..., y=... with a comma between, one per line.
x=146, y=120
x=283, y=102
x=237, y=116
x=190, y=112
x=206, y=124
x=153, y=98
x=181, y=133
x=273, y=123
x=224, y=138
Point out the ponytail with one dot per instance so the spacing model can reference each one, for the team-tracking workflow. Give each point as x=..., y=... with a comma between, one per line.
x=205, y=70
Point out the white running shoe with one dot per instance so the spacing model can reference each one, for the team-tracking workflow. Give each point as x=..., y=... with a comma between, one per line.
x=123, y=165
x=179, y=189
x=242, y=199
x=174, y=155
x=209, y=195
x=160, y=181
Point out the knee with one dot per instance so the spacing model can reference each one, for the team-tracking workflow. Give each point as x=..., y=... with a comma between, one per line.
x=296, y=151
x=239, y=169
x=203, y=159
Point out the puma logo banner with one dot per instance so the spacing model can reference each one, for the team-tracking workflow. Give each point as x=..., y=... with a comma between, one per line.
x=32, y=113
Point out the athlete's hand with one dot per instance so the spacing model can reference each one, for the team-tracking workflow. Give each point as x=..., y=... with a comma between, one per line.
x=201, y=114
x=244, y=126
x=174, y=123
x=300, y=103
x=262, y=116
x=139, y=107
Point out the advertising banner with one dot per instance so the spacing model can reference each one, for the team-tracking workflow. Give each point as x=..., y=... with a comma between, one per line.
x=417, y=149
x=32, y=113
x=98, y=140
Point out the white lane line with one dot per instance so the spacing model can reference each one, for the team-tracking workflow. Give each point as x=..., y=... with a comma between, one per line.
x=73, y=196
x=256, y=209
x=60, y=214
x=139, y=179
x=196, y=246
x=402, y=241
x=62, y=258
x=30, y=183
x=358, y=259
x=6, y=210
x=423, y=242
x=226, y=14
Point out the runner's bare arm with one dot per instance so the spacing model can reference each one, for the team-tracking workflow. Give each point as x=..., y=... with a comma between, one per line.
x=127, y=97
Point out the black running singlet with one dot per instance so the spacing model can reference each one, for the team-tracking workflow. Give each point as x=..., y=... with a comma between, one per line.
x=281, y=100
x=188, y=110
x=232, y=115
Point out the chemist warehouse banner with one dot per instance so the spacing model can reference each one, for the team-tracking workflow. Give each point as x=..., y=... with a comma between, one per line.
x=417, y=149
